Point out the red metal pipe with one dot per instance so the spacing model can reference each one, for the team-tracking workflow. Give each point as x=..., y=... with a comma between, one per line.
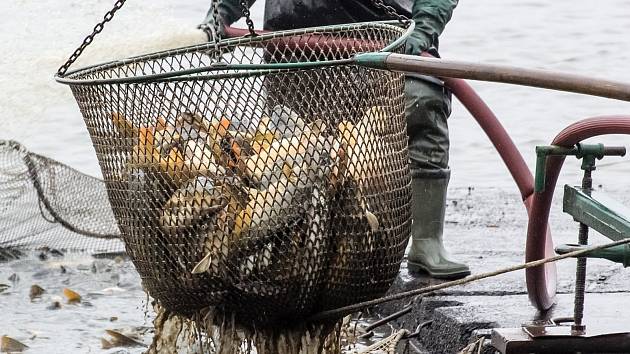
x=541, y=281
x=311, y=42
x=233, y=32
x=545, y=293
x=496, y=132
x=538, y=240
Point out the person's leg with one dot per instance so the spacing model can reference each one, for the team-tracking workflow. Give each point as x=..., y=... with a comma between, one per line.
x=427, y=108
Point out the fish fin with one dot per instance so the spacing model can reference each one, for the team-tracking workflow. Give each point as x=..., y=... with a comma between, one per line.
x=372, y=220
x=71, y=295
x=105, y=344
x=123, y=125
x=203, y=265
x=224, y=124
x=119, y=339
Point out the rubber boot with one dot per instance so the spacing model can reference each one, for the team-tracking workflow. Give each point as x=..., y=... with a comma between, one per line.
x=427, y=253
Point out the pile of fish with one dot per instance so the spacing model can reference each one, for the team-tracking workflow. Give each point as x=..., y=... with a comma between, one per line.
x=260, y=197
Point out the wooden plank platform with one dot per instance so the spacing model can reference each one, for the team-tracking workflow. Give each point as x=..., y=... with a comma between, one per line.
x=516, y=341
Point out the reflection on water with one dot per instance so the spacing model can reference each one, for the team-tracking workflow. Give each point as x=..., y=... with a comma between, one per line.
x=111, y=299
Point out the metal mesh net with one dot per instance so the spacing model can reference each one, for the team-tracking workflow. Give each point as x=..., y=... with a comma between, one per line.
x=44, y=203
x=267, y=195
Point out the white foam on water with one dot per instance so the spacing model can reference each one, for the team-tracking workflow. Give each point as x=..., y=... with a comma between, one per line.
x=36, y=37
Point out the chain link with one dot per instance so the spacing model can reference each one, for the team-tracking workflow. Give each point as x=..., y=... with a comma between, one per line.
x=391, y=12
x=97, y=29
x=248, y=20
x=244, y=5
x=217, y=20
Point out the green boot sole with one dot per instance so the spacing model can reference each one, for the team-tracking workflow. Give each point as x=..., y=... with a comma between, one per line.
x=446, y=274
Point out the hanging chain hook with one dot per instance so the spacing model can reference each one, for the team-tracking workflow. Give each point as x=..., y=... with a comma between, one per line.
x=245, y=8
x=214, y=31
x=216, y=27
x=391, y=12
x=248, y=20
x=97, y=29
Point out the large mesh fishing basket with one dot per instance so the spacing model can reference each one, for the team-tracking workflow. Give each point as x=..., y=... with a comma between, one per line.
x=263, y=177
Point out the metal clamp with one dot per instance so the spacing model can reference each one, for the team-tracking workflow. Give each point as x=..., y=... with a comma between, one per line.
x=587, y=152
x=618, y=254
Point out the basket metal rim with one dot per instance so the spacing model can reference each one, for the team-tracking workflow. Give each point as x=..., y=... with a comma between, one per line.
x=238, y=70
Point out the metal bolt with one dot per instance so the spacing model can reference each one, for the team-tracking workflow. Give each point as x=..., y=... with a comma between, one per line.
x=580, y=275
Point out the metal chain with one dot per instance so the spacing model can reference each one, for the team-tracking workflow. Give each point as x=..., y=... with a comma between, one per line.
x=248, y=20
x=216, y=25
x=244, y=5
x=97, y=29
x=213, y=32
x=391, y=12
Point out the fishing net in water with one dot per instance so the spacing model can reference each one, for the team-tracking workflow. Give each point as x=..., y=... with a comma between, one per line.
x=264, y=178
x=44, y=203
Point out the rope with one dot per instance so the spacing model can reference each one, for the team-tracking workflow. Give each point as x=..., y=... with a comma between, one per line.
x=34, y=176
x=342, y=311
x=387, y=345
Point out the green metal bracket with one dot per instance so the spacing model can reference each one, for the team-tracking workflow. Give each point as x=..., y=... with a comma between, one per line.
x=597, y=211
x=617, y=254
x=372, y=60
x=603, y=214
x=587, y=152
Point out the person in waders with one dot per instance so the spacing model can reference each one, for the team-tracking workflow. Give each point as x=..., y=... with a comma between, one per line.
x=427, y=106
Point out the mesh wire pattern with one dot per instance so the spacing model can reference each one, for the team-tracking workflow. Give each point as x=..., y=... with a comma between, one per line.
x=266, y=195
x=44, y=203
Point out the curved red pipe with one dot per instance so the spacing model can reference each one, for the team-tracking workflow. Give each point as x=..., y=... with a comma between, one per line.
x=311, y=42
x=233, y=32
x=537, y=246
x=497, y=134
x=541, y=281
x=546, y=283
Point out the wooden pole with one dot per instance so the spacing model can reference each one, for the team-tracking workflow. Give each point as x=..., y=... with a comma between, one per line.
x=509, y=75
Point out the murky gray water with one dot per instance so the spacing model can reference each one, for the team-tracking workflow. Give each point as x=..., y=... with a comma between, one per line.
x=36, y=37
x=111, y=298
x=577, y=36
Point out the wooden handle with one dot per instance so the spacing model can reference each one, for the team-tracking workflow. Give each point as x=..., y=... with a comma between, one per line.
x=510, y=75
